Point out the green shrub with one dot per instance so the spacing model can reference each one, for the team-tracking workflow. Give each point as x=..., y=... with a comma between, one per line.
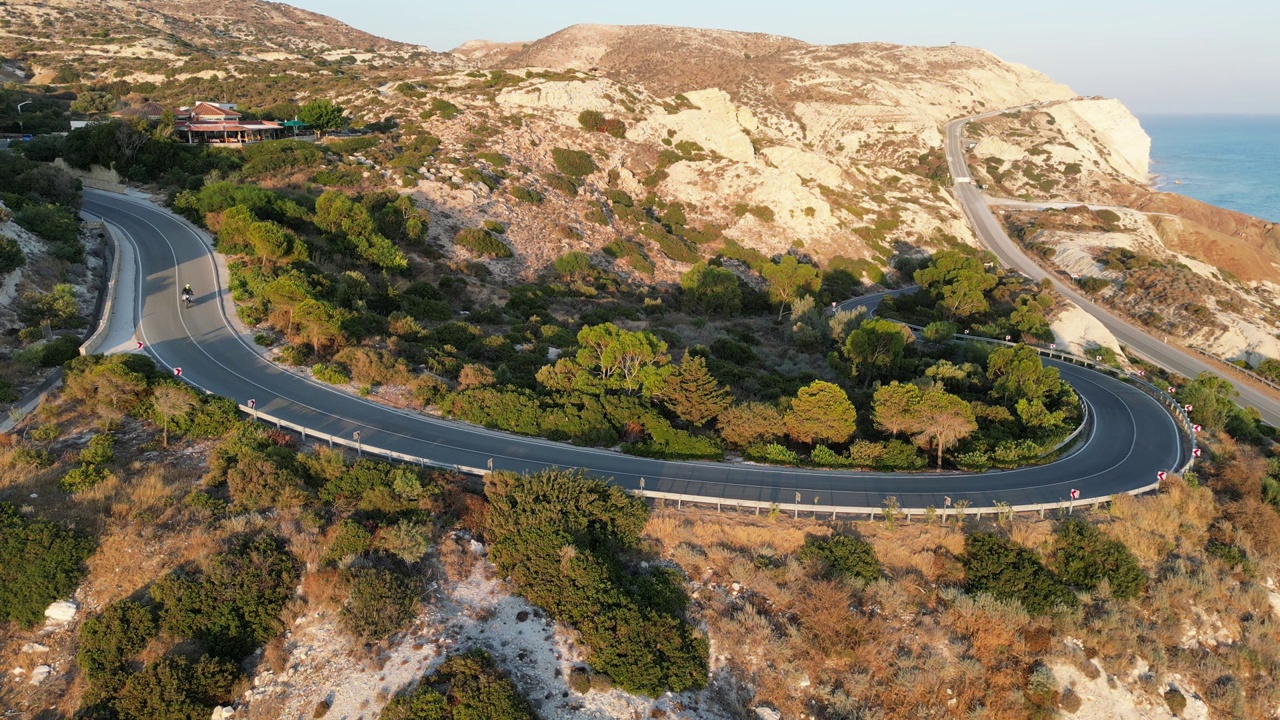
x=573, y=163
x=763, y=213
x=39, y=563
x=350, y=539
x=632, y=253
x=214, y=417
x=46, y=432
x=295, y=355
x=173, y=688
x=83, y=477
x=99, y=450
x=1083, y=557
x=463, y=687
x=11, y=255
x=332, y=373
x=1093, y=285
x=497, y=160
x=59, y=351
x=595, y=121
x=442, y=109
x=1175, y=701
x=351, y=146
x=1009, y=571
x=338, y=177
x=108, y=640
x=51, y=222
x=524, y=194
x=234, y=605
x=826, y=457
x=279, y=156
x=33, y=457
x=561, y=184
x=406, y=540
x=561, y=537
x=380, y=601
x=773, y=453
x=842, y=557
x=371, y=484
x=206, y=502
x=502, y=408
x=667, y=442
x=482, y=242
x=900, y=455
x=580, y=680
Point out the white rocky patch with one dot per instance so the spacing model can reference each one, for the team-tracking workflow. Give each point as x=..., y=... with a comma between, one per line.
x=1074, y=330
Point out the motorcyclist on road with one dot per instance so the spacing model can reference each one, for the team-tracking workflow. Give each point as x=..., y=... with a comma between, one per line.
x=187, y=293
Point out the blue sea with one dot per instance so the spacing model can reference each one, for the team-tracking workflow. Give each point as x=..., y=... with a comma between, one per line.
x=1232, y=161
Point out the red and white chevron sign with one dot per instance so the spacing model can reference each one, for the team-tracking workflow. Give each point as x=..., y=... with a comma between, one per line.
x=1195, y=428
x=1161, y=475
x=1195, y=452
x=177, y=372
x=1075, y=494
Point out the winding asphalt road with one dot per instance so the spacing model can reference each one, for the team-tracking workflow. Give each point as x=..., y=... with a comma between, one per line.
x=992, y=234
x=1131, y=438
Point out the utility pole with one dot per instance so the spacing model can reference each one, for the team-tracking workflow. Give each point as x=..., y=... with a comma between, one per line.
x=22, y=129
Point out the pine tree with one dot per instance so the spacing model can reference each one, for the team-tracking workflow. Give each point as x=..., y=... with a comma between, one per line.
x=821, y=412
x=692, y=393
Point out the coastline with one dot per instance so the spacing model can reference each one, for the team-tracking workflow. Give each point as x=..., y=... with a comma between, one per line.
x=1228, y=160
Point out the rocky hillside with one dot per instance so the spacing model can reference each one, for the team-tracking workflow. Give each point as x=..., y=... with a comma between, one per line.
x=833, y=153
x=113, y=39
x=1197, y=272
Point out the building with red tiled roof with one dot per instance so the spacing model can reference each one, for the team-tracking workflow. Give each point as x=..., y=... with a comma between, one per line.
x=219, y=123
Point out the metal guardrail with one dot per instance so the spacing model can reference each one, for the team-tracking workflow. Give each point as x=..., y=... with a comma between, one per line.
x=796, y=508
x=681, y=499
x=106, y=298
x=1252, y=375
x=1164, y=398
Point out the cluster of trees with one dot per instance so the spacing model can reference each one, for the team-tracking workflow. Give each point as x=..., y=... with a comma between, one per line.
x=569, y=543
x=1213, y=405
x=957, y=288
x=227, y=609
x=43, y=200
x=276, y=236
x=1082, y=559
x=136, y=149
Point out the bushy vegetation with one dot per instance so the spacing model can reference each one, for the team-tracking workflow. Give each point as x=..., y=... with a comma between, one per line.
x=563, y=538
x=11, y=255
x=1008, y=571
x=463, y=687
x=842, y=557
x=595, y=121
x=1083, y=557
x=40, y=562
x=380, y=601
x=482, y=242
x=573, y=163
x=233, y=605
